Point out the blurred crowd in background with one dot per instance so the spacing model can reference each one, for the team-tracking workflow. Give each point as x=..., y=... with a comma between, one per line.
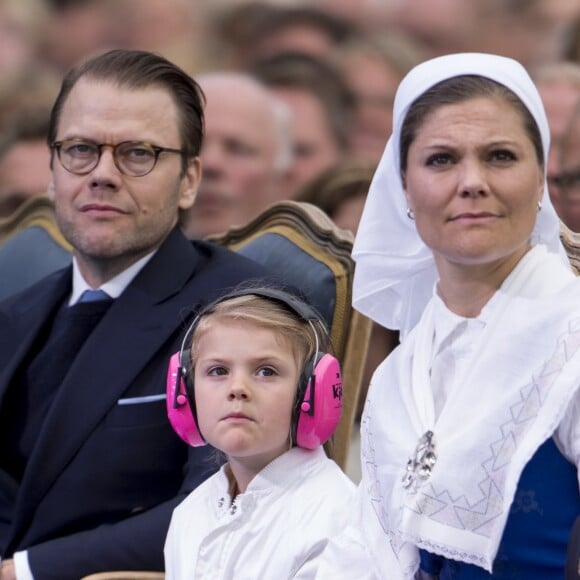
x=334, y=66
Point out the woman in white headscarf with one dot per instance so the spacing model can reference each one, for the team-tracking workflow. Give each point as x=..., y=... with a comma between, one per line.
x=471, y=432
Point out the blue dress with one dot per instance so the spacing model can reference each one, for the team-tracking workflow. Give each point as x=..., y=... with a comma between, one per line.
x=535, y=539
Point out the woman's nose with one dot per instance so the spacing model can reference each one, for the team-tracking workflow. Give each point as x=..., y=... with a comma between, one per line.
x=472, y=181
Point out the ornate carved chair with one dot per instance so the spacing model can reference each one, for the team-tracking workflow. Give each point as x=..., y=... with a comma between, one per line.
x=571, y=241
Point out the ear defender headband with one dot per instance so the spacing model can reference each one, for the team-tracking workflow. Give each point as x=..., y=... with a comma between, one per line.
x=319, y=394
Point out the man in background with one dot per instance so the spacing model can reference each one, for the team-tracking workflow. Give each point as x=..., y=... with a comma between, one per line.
x=24, y=159
x=559, y=87
x=246, y=154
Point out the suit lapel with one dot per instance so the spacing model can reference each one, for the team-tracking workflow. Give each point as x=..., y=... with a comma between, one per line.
x=30, y=313
x=136, y=326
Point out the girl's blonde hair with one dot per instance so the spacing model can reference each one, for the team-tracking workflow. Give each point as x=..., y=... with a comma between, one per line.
x=304, y=337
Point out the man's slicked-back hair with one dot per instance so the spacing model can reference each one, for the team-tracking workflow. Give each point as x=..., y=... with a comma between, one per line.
x=138, y=69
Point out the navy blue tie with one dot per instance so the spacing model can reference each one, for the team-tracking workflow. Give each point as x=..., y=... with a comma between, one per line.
x=93, y=296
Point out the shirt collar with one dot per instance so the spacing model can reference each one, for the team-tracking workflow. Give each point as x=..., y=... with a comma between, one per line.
x=113, y=287
x=446, y=322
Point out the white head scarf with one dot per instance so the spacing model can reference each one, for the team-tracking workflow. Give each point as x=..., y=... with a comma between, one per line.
x=395, y=271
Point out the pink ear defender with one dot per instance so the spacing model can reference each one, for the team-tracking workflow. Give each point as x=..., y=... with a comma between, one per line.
x=321, y=406
x=319, y=394
x=179, y=410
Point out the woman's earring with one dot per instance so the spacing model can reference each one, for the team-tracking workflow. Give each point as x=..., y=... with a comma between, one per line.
x=539, y=206
x=410, y=214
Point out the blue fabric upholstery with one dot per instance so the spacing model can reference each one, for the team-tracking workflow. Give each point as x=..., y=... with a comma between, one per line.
x=28, y=256
x=297, y=268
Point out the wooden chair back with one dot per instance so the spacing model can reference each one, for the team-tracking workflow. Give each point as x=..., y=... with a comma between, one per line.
x=571, y=242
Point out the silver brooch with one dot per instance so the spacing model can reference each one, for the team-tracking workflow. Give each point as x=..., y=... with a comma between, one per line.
x=420, y=465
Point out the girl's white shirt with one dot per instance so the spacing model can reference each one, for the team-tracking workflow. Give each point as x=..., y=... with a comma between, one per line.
x=277, y=528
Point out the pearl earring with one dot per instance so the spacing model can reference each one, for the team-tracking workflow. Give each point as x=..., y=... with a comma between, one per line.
x=410, y=214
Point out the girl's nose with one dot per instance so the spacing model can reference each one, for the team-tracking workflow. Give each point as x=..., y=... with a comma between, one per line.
x=238, y=389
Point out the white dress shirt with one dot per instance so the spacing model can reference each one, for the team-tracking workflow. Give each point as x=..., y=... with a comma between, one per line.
x=276, y=529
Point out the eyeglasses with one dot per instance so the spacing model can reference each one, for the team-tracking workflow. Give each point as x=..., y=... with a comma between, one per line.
x=134, y=158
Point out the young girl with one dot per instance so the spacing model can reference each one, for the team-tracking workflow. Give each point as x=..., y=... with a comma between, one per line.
x=265, y=394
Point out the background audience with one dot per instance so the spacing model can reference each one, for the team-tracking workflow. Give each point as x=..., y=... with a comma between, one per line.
x=559, y=87
x=321, y=105
x=373, y=65
x=372, y=44
x=246, y=155
x=250, y=31
x=24, y=159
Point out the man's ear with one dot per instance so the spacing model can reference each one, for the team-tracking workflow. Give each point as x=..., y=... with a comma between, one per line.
x=190, y=183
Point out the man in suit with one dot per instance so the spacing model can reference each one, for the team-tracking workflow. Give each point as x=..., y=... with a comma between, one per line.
x=90, y=469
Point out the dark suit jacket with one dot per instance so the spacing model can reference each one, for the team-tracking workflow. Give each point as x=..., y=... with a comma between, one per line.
x=104, y=477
